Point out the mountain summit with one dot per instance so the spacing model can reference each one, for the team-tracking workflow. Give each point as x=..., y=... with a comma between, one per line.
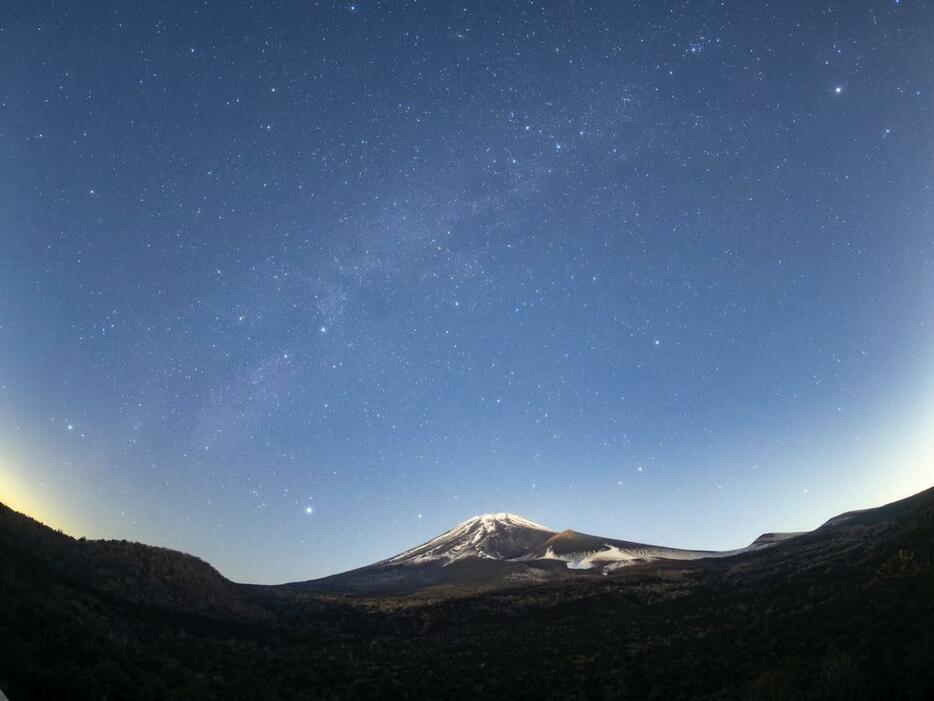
x=499, y=536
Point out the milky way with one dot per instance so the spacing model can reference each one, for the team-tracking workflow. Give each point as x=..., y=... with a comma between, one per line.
x=296, y=286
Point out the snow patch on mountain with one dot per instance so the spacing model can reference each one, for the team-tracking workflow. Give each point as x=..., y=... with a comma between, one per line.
x=614, y=556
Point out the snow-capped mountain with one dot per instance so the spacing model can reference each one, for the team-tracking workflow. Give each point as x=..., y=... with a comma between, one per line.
x=495, y=549
x=500, y=536
x=506, y=536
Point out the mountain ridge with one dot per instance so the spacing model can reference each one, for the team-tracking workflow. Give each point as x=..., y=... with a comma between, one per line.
x=513, y=550
x=850, y=604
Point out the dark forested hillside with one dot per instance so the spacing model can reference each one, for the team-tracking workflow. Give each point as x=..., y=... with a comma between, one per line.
x=844, y=612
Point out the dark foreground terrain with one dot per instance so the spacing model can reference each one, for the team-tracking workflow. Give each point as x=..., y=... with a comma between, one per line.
x=845, y=612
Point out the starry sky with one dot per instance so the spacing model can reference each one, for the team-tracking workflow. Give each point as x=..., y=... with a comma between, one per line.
x=295, y=286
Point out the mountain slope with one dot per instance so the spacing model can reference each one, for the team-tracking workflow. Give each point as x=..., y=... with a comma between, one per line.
x=845, y=611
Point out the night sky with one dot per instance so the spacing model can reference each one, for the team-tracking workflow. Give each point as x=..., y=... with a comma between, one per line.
x=296, y=286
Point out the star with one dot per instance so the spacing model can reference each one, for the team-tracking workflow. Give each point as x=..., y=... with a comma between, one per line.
x=381, y=293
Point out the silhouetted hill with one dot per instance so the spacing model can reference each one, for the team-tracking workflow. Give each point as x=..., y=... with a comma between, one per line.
x=844, y=612
x=135, y=572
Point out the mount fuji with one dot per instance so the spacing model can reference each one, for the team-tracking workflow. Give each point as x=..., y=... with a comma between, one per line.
x=499, y=549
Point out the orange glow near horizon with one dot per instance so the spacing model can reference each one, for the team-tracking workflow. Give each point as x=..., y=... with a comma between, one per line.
x=30, y=497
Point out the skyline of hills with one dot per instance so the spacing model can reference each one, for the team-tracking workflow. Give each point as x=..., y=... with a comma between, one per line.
x=845, y=611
